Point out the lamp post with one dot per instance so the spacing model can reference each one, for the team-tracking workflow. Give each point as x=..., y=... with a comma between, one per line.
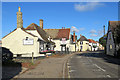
x=104, y=29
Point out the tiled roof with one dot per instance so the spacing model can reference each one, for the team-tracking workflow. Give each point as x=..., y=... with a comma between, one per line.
x=58, y=33
x=31, y=27
x=82, y=38
x=41, y=32
x=52, y=32
x=63, y=33
x=92, y=41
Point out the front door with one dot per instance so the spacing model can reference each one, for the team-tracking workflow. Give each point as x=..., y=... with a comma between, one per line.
x=81, y=48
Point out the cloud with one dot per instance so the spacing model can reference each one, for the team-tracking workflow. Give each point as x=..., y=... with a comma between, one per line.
x=100, y=32
x=93, y=31
x=81, y=29
x=73, y=28
x=88, y=6
x=93, y=35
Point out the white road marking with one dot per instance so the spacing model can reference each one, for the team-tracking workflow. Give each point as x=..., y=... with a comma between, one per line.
x=108, y=76
x=71, y=70
x=100, y=68
x=69, y=66
x=79, y=57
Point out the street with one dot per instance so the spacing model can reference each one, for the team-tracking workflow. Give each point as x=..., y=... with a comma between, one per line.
x=92, y=65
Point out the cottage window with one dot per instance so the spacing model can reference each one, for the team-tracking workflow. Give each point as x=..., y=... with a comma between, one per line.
x=110, y=46
x=81, y=42
x=26, y=38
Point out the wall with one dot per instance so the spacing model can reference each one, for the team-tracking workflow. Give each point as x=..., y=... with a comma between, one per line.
x=110, y=42
x=85, y=46
x=14, y=42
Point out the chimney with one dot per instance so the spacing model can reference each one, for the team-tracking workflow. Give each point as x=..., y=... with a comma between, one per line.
x=62, y=27
x=19, y=19
x=80, y=35
x=74, y=37
x=41, y=23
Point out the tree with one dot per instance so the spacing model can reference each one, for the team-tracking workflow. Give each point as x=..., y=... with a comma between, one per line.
x=102, y=40
x=117, y=39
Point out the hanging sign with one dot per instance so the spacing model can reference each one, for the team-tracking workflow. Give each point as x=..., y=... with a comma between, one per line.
x=63, y=41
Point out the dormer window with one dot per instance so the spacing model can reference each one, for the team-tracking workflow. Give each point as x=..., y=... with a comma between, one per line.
x=81, y=43
x=26, y=38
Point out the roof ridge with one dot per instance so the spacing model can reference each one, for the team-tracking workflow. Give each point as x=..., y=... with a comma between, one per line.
x=31, y=24
x=55, y=29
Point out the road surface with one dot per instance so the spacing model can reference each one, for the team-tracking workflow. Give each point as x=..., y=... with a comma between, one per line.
x=93, y=65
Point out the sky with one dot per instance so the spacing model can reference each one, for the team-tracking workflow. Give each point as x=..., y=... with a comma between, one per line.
x=85, y=18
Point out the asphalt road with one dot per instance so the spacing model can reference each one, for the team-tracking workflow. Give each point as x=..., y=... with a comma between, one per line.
x=93, y=65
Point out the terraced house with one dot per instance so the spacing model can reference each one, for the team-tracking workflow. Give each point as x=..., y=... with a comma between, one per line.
x=62, y=38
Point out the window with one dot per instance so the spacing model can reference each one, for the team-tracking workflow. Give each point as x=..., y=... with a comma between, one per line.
x=81, y=42
x=110, y=46
x=26, y=38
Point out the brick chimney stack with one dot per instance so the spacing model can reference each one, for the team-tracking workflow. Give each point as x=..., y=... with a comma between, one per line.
x=41, y=23
x=19, y=19
x=74, y=37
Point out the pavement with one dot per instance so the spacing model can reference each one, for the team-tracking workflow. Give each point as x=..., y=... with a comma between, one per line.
x=10, y=71
x=48, y=68
x=93, y=65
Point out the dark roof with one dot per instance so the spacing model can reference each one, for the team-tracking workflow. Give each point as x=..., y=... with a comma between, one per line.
x=52, y=32
x=31, y=27
x=113, y=25
x=58, y=33
x=41, y=32
x=82, y=38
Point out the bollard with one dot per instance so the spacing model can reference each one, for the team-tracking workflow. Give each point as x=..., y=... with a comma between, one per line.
x=32, y=57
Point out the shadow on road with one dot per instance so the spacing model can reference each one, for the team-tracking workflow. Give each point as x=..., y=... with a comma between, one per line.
x=100, y=54
x=10, y=69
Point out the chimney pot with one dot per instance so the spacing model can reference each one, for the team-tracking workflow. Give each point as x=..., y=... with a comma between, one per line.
x=80, y=35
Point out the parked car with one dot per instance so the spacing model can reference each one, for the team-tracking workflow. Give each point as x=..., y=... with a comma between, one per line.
x=6, y=54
